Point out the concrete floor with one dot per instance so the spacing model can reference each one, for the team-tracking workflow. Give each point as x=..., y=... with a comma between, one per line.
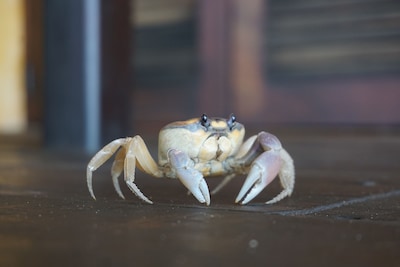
x=345, y=211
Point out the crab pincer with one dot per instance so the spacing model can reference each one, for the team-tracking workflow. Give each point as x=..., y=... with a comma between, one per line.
x=267, y=165
x=191, y=178
x=262, y=172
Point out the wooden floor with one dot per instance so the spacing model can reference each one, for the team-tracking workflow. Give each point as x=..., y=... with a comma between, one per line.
x=345, y=211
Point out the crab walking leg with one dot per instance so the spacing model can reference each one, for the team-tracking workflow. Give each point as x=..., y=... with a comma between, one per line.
x=223, y=183
x=137, y=152
x=191, y=178
x=116, y=170
x=246, y=146
x=286, y=176
x=100, y=158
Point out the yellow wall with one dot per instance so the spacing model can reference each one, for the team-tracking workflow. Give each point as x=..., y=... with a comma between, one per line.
x=13, y=117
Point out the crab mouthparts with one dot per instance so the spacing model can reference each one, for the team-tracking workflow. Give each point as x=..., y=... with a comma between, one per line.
x=218, y=135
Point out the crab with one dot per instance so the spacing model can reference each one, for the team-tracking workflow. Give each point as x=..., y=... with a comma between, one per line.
x=201, y=147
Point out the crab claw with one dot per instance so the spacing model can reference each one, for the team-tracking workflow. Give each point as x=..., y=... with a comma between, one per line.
x=195, y=183
x=191, y=178
x=262, y=172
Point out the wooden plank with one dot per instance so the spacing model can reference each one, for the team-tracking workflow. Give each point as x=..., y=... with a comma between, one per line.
x=214, y=96
x=13, y=117
x=67, y=119
x=344, y=211
x=116, y=70
x=64, y=119
x=34, y=60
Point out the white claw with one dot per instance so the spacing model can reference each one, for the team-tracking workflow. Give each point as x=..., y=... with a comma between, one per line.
x=202, y=194
x=198, y=194
x=191, y=178
x=204, y=190
x=262, y=172
x=195, y=183
x=252, y=186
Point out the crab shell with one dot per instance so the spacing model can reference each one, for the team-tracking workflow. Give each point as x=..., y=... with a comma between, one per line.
x=216, y=142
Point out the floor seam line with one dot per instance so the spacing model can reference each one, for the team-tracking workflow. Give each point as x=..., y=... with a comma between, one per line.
x=336, y=205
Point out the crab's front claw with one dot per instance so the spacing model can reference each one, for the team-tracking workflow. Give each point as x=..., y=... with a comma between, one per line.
x=262, y=172
x=191, y=178
x=195, y=183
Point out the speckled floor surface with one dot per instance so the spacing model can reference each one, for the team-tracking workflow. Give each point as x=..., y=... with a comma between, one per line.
x=345, y=211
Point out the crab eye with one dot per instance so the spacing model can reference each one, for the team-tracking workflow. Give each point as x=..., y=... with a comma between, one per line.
x=232, y=121
x=204, y=121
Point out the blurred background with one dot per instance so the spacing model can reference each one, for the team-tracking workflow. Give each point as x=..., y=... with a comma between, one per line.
x=80, y=73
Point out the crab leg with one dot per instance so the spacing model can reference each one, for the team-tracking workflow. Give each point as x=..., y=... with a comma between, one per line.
x=116, y=170
x=286, y=177
x=223, y=183
x=272, y=161
x=137, y=152
x=191, y=178
x=133, y=151
x=100, y=158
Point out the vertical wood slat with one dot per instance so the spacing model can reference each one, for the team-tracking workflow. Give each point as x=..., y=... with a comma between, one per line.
x=231, y=63
x=116, y=99
x=64, y=123
x=246, y=75
x=66, y=76
x=12, y=63
x=34, y=59
x=214, y=94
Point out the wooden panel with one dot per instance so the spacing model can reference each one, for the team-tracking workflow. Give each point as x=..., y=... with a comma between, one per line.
x=34, y=59
x=324, y=62
x=285, y=62
x=66, y=115
x=333, y=62
x=116, y=69
x=12, y=63
x=165, y=62
x=64, y=119
x=309, y=39
x=246, y=55
x=164, y=43
x=214, y=42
